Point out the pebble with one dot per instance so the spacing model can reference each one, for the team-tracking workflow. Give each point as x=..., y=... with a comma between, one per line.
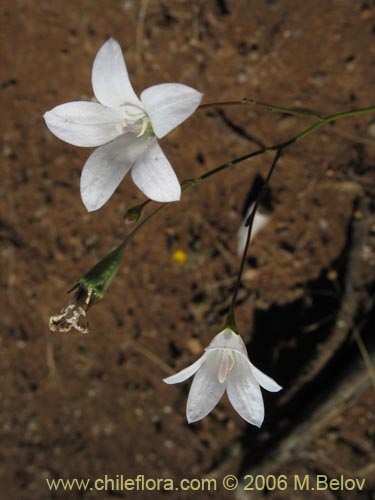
x=194, y=346
x=371, y=130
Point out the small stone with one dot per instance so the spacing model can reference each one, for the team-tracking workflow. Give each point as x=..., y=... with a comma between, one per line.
x=332, y=275
x=139, y=412
x=366, y=14
x=167, y=409
x=194, y=346
x=371, y=130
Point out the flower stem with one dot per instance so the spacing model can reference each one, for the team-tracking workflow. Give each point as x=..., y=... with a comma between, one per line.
x=142, y=223
x=249, y=223
x=190, y=183
x=296, y=138
x=270, y=107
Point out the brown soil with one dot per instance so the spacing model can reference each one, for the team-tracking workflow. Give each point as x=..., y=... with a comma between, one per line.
x=77, y=405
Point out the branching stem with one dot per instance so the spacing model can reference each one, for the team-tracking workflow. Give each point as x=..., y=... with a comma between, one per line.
x=278, y=148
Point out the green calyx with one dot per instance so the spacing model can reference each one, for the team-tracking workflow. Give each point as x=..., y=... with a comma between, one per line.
x=230, y=321
x=95, y=283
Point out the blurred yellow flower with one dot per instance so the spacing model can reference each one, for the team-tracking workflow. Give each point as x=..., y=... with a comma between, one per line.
x=180, y=256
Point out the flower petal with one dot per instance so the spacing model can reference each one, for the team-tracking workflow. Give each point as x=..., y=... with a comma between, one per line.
x=186, y=372
x=206, y=390
x=106, y=167
x=155, y=177
x=227, y=339
x=168, y=105
x=82, y=123
x=244, y=392
x=110, y=80
x=264, y=380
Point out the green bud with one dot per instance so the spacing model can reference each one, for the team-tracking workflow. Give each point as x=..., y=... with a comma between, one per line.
x=230, y=321
x=90, y=289
x=133, y=214
x=97, y=281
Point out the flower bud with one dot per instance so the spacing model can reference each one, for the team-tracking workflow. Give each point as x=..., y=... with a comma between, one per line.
x=133, y=214
x=90, y=289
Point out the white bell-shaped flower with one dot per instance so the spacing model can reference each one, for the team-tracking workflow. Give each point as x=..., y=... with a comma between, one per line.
x=125, y=128
x=225, y=365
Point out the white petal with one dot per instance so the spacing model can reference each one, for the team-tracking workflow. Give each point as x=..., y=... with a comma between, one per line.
x=84, y=123
x=186, y=372
x=106, y=167
x=227, y=339
x=244, y=392
x=206, y=390
x=264, y=380
x=168, y=105
x=110, y=80
x=155, y=177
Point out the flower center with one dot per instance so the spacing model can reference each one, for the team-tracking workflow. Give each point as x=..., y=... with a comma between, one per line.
x=136, y=121
x=226, y=365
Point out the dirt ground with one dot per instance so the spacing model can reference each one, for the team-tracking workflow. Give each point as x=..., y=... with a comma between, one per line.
x=85, y=406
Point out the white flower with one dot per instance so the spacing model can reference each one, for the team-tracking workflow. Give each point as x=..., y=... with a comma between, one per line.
x=225, y=366
x=125, y=128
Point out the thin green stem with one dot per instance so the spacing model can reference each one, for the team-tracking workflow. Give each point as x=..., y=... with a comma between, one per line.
x=99, y=278
x=296, y=138
x=190, y=183
x=249, y=222
x=270, y=107
x=142, y=223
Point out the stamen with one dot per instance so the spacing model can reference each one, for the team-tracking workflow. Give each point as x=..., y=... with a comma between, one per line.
x=144, y=126
x=224, y=366
x=231, y=362
x=137, y=115
x=133, y=116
